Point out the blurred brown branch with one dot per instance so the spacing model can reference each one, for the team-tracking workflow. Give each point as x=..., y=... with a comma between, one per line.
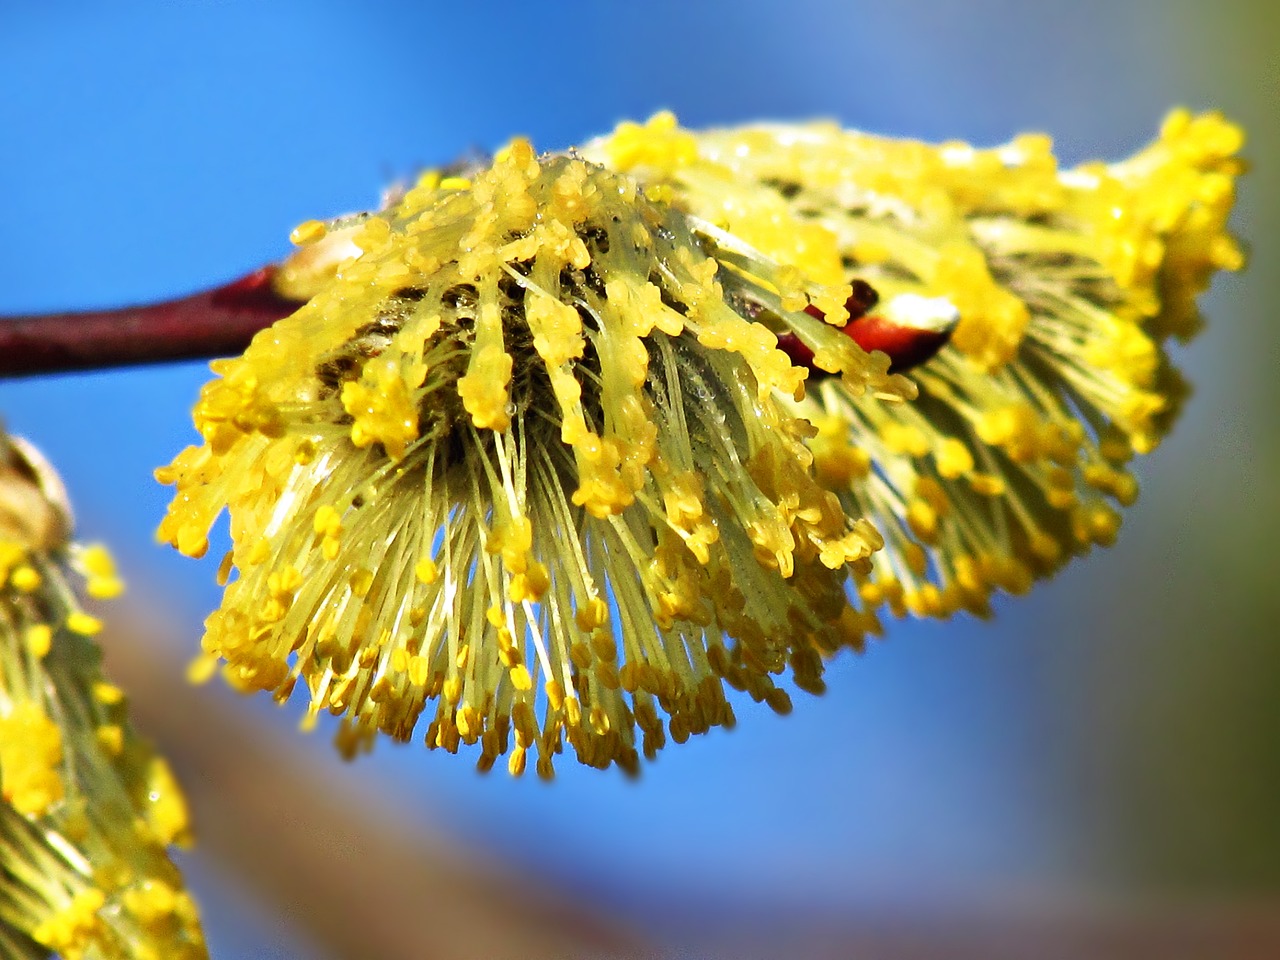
x=1163, y=928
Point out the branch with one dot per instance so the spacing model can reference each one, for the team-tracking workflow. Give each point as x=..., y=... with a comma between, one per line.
x=212, y=323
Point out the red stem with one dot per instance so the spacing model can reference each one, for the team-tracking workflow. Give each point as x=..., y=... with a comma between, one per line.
x=212, y=323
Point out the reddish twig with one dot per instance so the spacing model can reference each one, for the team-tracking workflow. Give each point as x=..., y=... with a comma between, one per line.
x=213, y=323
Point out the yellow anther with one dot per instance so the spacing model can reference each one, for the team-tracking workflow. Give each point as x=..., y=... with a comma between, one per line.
x=84, y=624
x=38, y=639
x=309, y=231
x=25, y=578
x=425, y=570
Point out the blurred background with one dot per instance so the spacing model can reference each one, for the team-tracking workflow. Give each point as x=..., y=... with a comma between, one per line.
x=1095, y=770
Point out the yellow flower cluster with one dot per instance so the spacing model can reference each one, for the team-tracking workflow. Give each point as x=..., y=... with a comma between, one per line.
x=524, y=462
x=87, y=809
x=1066, y=282
x=531, y=457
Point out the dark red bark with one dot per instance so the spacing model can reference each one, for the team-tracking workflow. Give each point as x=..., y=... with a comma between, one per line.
x=212, y=323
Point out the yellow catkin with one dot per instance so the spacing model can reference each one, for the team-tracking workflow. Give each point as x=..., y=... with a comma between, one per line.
x=539, y=411
x=84, y=825
x=540, y=414
x=1067, y=284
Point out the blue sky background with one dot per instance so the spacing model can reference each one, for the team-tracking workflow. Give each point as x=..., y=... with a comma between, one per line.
x=1114, y=731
